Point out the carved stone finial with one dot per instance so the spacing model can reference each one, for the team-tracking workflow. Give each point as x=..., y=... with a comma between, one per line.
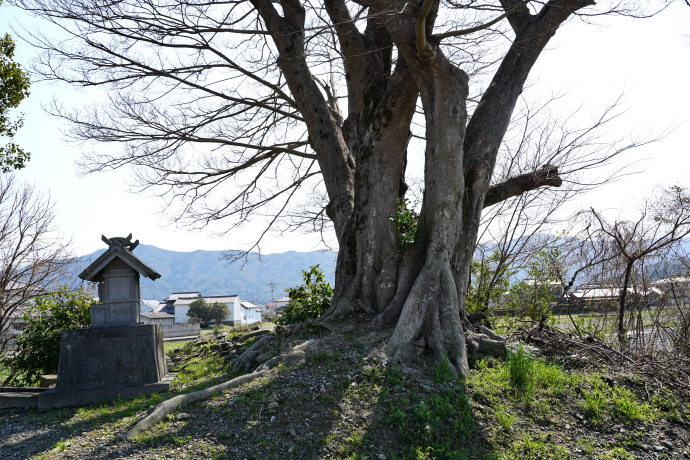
x=124, y=242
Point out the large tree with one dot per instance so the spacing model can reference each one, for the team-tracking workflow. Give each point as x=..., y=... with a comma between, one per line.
x=246, y=92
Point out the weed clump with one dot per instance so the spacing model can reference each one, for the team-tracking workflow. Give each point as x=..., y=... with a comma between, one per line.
x=520, y=365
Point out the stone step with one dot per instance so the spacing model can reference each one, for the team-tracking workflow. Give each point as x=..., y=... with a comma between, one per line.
x=19, y=397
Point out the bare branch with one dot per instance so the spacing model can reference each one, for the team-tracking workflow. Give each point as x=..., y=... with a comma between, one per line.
x=547, y=175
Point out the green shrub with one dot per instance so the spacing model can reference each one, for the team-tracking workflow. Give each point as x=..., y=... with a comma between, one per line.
x=38, y=347
x=489, y=282
x=533, y=297
x=309, y=300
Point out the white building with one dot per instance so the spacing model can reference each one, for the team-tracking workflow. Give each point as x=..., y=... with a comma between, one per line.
x=241, y=312
x=177, y=304
x=251, y=313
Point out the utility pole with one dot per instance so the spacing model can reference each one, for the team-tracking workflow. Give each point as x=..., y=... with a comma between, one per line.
x=273, y=285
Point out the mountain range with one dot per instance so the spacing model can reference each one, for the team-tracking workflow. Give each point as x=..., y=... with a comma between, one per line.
x=208, y=273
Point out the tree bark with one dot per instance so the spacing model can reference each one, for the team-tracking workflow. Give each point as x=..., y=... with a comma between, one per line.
x=368, y=258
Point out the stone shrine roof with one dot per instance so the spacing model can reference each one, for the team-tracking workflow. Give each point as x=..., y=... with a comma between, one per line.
x=94, y=271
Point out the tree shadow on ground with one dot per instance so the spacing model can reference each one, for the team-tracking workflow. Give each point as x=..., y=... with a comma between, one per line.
x=344, y=402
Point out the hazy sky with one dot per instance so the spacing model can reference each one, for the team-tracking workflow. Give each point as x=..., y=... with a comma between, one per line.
x=647, y=59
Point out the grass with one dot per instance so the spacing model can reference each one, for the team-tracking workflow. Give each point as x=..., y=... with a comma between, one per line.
x=442, y=373
x=178, y=343
x=519, y=367
x=434, y=425
x=504, y=419
x=533, y=426
x=593, y=406
x=513, y=408
x=627, y=407
x=4, y=373
x=240, y=329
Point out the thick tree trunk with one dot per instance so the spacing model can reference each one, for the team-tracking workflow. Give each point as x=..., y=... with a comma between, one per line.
x=430, y=315
x=368, y=259
x=423, y=291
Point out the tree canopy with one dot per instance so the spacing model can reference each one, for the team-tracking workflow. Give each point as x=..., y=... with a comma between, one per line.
x=234, y=108
x=14, y=87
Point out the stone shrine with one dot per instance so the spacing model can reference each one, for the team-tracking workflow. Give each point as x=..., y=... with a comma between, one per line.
x=118, y=356
x=117, y=273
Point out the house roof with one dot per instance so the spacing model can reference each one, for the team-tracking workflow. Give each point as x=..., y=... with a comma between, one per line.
x=148, y=305
x=532, y=282
x=248, y=305
x=283, y=299
x=156, y=314
x=177, y=295
x=671, y=280
x=164, y=308
x=94, y=271
x=14, y=285
x=220, y=298
x=183, y=300
x=609, y=293
x=186, y=298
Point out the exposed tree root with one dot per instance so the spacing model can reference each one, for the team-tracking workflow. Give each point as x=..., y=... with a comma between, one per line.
x=481, y=339
x=430, y=318
x=174, y=404
x=245, y=361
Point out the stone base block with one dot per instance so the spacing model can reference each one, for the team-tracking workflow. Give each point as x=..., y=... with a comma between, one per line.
x=82, y=397
x=116, y=356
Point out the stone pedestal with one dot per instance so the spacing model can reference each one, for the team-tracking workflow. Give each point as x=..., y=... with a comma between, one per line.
x=104, y=363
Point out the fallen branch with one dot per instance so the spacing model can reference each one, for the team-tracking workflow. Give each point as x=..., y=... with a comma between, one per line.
x=174, y=404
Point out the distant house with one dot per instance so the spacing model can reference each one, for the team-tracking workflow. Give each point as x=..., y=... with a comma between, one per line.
x=241, y=312
x=237, y=312
x=556, y=287
x=601, y=296
x=268, y=311
x=675, y=289
x=251, y=312
x=282, y=303
x=13, y=298
x=177, y=305
x=157, y=318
